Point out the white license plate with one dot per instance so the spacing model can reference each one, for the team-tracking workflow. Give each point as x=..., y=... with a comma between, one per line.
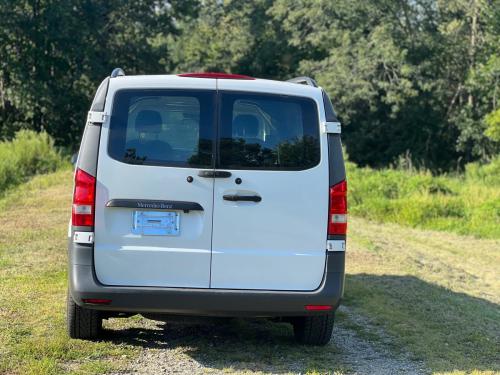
x=156, y=223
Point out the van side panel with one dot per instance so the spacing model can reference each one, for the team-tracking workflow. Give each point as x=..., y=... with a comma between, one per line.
x=330, y=114
x=100, y=97
x=89, y=149
x=337, y=165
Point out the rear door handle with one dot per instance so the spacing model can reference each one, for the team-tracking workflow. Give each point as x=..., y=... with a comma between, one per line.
x=214, y=174
x=245, y=198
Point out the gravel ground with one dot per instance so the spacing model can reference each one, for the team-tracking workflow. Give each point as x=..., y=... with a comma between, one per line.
x=253, y=346
x=365, y=357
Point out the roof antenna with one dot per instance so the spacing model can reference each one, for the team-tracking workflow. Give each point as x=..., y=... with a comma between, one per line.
x=117, y=72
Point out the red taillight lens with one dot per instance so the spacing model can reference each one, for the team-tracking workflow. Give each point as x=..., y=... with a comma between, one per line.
x=337, y=218
x=318, y=307
x=83, y=199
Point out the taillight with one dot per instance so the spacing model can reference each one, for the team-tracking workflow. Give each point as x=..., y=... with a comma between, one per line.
x=83, y=199
x=337, y=218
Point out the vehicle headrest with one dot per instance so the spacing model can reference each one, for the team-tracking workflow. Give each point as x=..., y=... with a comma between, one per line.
x=148, y=121
x=246, y=126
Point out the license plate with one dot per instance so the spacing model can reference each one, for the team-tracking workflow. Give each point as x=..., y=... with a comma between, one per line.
x=156, y=223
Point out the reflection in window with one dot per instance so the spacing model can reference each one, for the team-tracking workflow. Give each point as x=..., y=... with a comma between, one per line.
x=268, y=132
x=162, y=127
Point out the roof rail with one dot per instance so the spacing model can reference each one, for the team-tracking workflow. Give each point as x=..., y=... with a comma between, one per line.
x=304, y=81
x=117, y=72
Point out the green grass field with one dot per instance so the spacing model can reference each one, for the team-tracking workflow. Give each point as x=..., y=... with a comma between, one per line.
x=33, y=237
x=468, y=203
x=436, y=295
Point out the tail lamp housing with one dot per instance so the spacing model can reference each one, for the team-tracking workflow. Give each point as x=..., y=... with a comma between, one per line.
x=83, y=199
x=337, y=213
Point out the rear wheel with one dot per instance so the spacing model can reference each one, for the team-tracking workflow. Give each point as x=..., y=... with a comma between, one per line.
x=314, y=330
x=82, y=323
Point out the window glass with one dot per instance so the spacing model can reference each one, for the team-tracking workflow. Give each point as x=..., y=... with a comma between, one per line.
x=268, y=132
x=162, y=127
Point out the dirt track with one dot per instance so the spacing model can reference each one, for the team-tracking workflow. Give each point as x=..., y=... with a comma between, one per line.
x=257, y=347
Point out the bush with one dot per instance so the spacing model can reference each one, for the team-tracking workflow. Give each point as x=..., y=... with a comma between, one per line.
x=466, y=204
x=486, y=173
x=29, y=153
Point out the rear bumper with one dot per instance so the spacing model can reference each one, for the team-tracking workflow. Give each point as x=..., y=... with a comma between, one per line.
x=201, y=302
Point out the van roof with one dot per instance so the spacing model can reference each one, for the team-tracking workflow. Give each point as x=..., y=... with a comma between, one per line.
x=190, y=81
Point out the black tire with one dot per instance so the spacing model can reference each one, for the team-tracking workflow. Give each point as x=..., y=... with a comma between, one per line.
x=82, y=323
x=314, y=330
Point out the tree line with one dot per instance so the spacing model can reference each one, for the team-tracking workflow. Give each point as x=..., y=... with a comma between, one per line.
x=417, y=79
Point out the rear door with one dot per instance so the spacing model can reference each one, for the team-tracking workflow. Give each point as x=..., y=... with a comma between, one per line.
x=153, y=221
x=270, y=215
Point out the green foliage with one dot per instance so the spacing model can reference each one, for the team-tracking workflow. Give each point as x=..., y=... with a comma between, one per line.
x=468, y=204
x=29, y=153
x=415, y=78
x=488, y=174
x=217, y=40
x=406, y=77
x=236, y=37
x=54, y=54
x=493, y=125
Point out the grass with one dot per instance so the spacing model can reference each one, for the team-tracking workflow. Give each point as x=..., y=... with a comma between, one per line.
x=434, y=294
x=28, y=154
x=33, y=279
x=465, y=204
x=33, y=227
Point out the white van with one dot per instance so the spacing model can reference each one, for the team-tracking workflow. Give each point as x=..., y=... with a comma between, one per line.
x=208, y=194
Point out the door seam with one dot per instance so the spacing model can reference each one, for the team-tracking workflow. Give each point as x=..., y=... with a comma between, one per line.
x=214, y=166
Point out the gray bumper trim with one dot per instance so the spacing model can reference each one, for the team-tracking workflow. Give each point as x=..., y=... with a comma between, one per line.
x=202, y=302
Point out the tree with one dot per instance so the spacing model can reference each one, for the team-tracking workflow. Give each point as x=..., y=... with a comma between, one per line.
x=493, y=125
x=235, y=36
x=407, y=77
x=397, y=74
x=472, y=28
x=53, y=55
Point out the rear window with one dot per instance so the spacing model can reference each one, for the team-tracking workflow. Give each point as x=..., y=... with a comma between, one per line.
x=162, y=127
x=271, y=132
x=176, y=128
